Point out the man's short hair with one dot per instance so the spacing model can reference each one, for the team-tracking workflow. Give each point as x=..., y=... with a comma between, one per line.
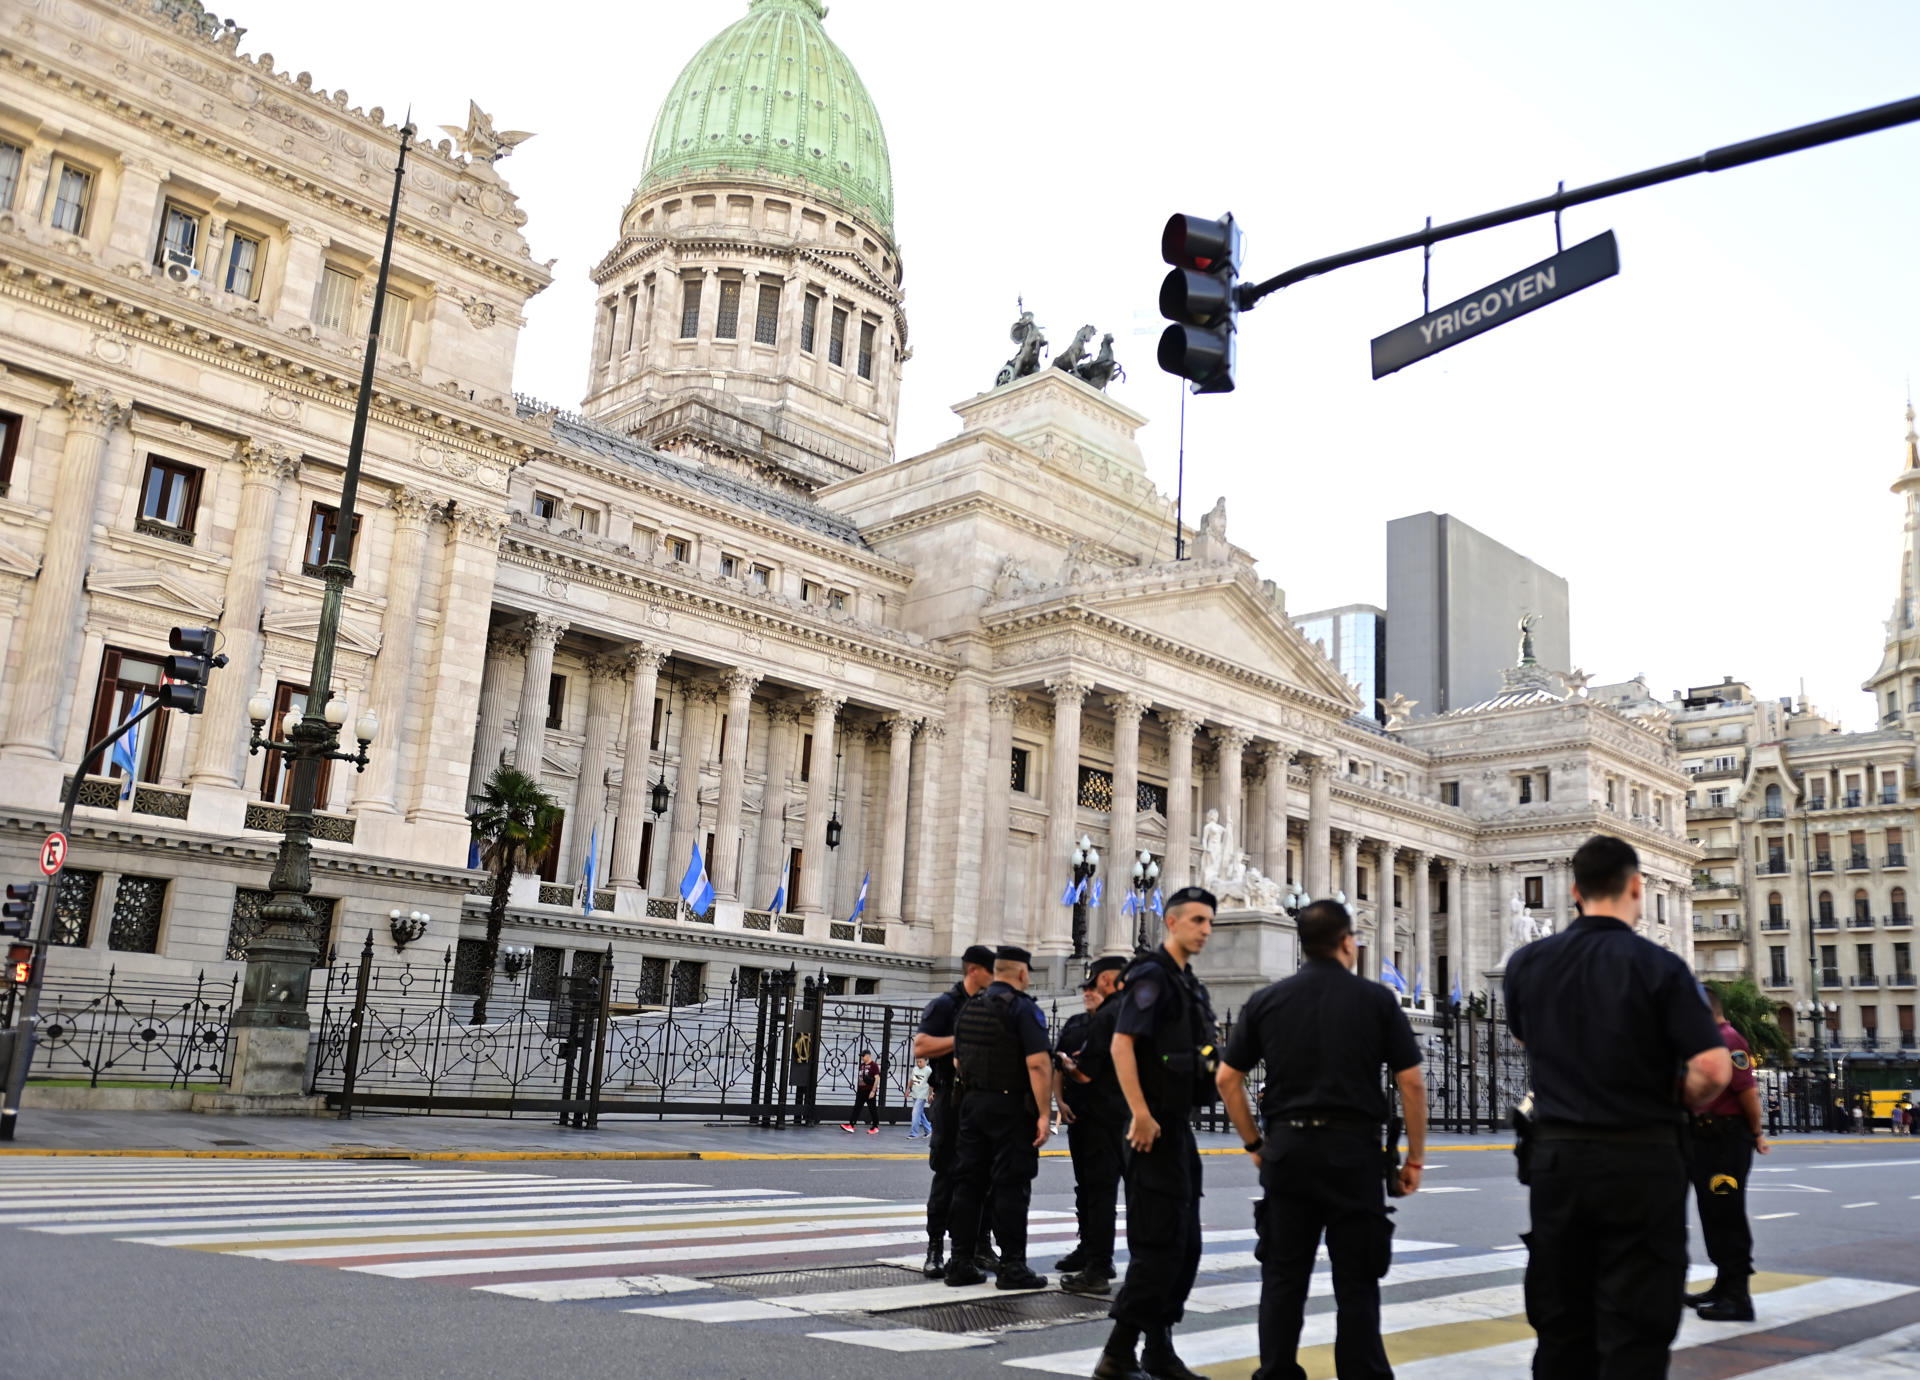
x=1714, y=1005
x=1323, y=924
x=1603, y=866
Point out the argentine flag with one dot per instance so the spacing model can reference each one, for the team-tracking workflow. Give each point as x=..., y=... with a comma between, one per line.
x=1130, y=905
x=860, y=905
x=1456, y=989
x=1420, y=982
x=1066, y=897
x=1390, y=975
x=779, y=902
x=1159, y=906
x=1095, y=900
x=695, y=889
x=126, y=748
x=593, y=852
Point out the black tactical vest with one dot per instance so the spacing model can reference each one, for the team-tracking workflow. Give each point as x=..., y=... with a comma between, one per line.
x=987, y=1044
x=941, y=1068
x=1178, y=1072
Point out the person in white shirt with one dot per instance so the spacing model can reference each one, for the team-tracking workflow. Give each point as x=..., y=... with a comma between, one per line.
x=917, y=1095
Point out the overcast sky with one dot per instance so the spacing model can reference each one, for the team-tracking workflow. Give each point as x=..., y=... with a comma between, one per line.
x=1702, y=446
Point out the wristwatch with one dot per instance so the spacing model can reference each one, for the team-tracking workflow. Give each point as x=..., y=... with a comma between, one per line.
x=1256, y=1147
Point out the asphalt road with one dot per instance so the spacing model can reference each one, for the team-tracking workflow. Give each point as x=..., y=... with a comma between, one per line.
x=324, y=1269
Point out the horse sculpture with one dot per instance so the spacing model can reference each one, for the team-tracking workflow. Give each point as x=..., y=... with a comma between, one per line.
x=1069, y=358
x=1103, y=369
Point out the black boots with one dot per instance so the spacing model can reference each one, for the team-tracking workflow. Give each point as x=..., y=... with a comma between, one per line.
x=1157, y=1358
x=1075, y=1259
x=961, y=1272
x=1018, y=1276
x=1116, y=1358
x=1096, y=1278
x=936, y=1264
x=1727, y=1301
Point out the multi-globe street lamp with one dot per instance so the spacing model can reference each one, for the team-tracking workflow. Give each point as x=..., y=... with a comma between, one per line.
x=1144, y=878
x=1086, y=862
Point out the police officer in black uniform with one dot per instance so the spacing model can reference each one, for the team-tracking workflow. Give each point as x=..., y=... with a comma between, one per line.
x=1003, y=1061
x=1621, y=1046
x=1163, y=1055
x=1096, y=1118
x=934, y=1043
x=1324, y=1034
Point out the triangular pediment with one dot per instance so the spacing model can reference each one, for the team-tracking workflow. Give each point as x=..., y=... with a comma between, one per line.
x=14, y=561
x=303, y=626
x=159, y=588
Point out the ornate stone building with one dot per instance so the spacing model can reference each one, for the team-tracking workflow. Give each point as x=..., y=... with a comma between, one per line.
x=895, y=691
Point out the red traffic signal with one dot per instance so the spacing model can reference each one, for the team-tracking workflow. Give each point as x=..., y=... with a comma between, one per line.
x=1200, y=297
x=20, y=962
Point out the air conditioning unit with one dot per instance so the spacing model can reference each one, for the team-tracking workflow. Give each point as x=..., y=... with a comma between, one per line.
x=180, y=267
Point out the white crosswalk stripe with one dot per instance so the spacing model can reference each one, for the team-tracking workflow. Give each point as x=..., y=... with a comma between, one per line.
x=829, y=1267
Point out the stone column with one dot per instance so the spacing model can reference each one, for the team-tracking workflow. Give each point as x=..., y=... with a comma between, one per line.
x=1494, y=917
x=1001, y=705
x=220, y=760
x=46, y=642
x=1562, y=883
x=636, y=767
x=543, y=632
x=893, y=841
x=1121, y=844
x=725, y=869
x=504, y=646
x=854, y=861
x=451, y=679
x=697, y=722
x=825, y=708
x=1458, y=960
x=1176, y=870
x=1232, y=744
x=134, y=229
x=926, y=787
x=1387, y=926
x=1423, y=928
x=1274, y=858
x=1319, y=841
x=1063, y=795
x=770, y=850
x=605, y=678
x=1350, y=868
x=392, y=682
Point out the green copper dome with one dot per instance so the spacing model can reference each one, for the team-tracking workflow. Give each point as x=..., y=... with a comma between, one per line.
x=772, y=93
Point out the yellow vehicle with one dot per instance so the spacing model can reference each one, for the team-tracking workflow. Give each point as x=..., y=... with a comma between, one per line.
x=1882, y=1101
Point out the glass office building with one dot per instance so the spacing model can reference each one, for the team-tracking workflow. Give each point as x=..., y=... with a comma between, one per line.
x=1354, y=638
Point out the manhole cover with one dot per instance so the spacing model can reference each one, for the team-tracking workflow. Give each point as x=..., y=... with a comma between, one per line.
x=777, y=1283
x=1016, y=1313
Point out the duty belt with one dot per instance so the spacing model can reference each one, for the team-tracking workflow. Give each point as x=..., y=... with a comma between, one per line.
x=1324, y=1123
x=1611, y=1135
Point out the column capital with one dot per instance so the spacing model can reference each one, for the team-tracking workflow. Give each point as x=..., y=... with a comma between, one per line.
x=415, y=507
x=93, y=409
x=544, y=628
x=783, y=711
x=1180, y=721
x=479, y=525
x=1419, y=857
x=267, y=462
x=1129, y=706
x=933, y=730
x=1068, y=688
x=700, y=692
x=1226, y=736
x=1254, y=769
x=601, y=668
x=1001, y=704
x=1316, y=765
x=899, y=726
x=740, y=683
x=641, y=657
x=507, y=641
x=825, y=703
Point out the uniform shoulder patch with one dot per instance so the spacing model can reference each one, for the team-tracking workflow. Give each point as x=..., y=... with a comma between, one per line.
x=1741, y=1060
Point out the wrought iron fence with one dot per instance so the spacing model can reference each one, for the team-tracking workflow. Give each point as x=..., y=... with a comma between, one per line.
x=174, y=1031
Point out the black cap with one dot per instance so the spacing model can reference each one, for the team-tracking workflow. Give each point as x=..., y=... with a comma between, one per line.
x=1191, y=895
x=1089, y=984
x=979, y=956
x=1007, y=953
x=1112, y=963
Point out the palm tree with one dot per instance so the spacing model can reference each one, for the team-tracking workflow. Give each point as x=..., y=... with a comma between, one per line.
x=1751, y=1013
x=516, y=819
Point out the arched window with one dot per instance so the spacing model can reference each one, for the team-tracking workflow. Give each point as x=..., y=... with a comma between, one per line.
x=1862, y=909
x=1774, y=808
x=1776, y=913
x=1826, y=907
x=1900, y=903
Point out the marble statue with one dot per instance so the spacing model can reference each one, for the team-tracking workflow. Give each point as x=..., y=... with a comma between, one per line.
x=1213, y=852
x=1522, y=928
x=480, y=141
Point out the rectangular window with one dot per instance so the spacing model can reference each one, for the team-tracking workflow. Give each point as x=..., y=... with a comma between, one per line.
x=395, y=316
x=866, y=350
x=545, y=506
x=1449, y=792
x=243, y=267
x=678, y=549
x=1096, y=789
x=1526, y=790
x=10, y=160
x=809, y=592
x=548, y=863
x=1360, y=883
x=179, y=238
x=1020, y=758
x=837, y=338
x=1777, y=965
x=766, y=318
x=726, y=324
x=837, y=600
x=1863, y=959
x=74, y=191
x=556, y=703
x=586, y=519
x=806, y=757
x=1536, y=891
x=690, y=309
x=762, y=577
x=276, y=778
x=138, y=905
x=730, y=566
x=646, y=322
x=9, y=445
x=646, y=852
x=1439, y=894
x=653, y=737
x=128, y=682
x=1903, y=959
x=333, y=301
x=1716, y=798
x=809, y=313
x=633, y=314
x=169, y=494
x=323, y=529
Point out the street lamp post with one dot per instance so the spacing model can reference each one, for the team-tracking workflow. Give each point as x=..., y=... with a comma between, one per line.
x=1086, y=862
x=271, y=1025
x=1144, y=878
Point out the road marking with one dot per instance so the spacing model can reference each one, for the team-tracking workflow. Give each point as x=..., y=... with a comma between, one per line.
x=298, y=1214
x=1774, y=1216
x=1222, y=1298
x=1845, y=1206
x=1447, y=1188
x=1516, y=1246
x=907, y=1339
x=606, y=1287
x=1896, y=1354
x=732, y=1310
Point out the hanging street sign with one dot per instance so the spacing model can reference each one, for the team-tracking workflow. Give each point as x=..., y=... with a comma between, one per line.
x=1528, y=290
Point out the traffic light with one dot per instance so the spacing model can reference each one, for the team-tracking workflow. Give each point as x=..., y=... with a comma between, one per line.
x=20, y=963
x=1200, y=297
x=16, y=916
x=185, y=688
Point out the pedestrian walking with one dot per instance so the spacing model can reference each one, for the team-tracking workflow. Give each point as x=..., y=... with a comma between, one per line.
x=917, y=1086
x=1897, y=1119
x=1608, y=1019
x=1095, y=1114
x=1002, y=1059
x=1773, y=1113
x=866, y=1084
x=1913, y=1127
x=1164, y=1059
x=1861, y=1125
x=1725, y=1137
x=934, y=1043
x=1325, y=1033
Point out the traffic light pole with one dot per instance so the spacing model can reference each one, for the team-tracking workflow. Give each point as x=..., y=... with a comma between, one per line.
x=29, y=1010
x=1714, y=160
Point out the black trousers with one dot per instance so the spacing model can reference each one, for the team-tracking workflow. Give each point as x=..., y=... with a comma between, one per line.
x=1721, y=1161
x=1097, y=1145
x=995, y=1161
x=943, y=1116
x=863, y=1097
x=1163, y=1230
x=1322, y=1181
x=1606, y=1259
